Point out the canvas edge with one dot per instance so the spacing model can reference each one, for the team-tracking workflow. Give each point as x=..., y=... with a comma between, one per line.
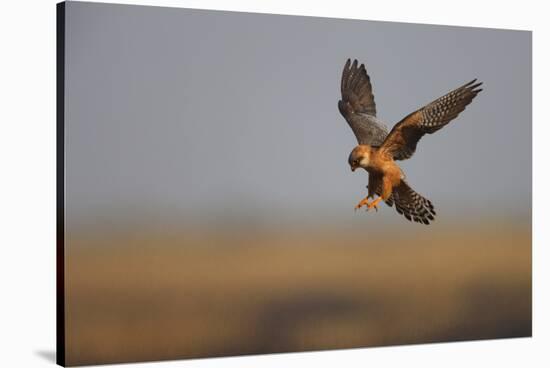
x=60, y=183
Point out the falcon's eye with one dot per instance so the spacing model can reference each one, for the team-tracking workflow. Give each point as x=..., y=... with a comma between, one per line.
x=356, y=162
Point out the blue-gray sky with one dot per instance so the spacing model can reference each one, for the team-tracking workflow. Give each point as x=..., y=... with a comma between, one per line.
x=185, y=111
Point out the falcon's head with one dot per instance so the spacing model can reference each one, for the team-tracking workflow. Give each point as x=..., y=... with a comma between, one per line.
x=359, y=157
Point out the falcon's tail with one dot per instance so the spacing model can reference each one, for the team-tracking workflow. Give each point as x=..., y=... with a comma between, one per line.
x=412, y=205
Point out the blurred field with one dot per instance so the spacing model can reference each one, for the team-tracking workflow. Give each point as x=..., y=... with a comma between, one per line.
x=173, y=295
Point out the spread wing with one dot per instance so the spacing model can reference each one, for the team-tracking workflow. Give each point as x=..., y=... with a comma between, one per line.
x=358, y=107
x=403, y=138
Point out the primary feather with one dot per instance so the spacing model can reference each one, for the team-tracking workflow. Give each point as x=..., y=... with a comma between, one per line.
x=403, y=138
x=358, y=107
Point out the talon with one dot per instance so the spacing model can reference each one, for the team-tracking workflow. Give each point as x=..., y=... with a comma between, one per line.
x=363, y=202
x=374, y=204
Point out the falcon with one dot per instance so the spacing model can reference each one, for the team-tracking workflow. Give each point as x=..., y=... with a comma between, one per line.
x=377, y=150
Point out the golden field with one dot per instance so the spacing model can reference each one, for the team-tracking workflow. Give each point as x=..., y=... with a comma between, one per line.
x=167, y=295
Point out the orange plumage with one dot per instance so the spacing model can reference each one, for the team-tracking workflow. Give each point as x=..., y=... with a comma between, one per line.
x=378, y=150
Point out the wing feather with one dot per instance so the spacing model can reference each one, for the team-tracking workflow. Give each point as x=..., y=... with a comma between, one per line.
x=403, y=138
x=358, y=107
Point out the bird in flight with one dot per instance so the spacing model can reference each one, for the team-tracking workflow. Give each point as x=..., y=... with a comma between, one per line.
x=377, y=150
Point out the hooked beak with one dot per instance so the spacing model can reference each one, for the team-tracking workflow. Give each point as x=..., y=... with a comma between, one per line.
x=353, y=168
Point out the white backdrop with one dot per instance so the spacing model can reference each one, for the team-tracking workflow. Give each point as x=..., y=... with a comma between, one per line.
x=27, y=183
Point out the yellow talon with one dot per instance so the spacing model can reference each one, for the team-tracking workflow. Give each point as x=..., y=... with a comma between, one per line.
x=374, y=204
x=363, y=202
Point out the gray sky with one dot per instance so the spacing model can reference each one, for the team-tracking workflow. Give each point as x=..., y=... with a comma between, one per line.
x=187, y=111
